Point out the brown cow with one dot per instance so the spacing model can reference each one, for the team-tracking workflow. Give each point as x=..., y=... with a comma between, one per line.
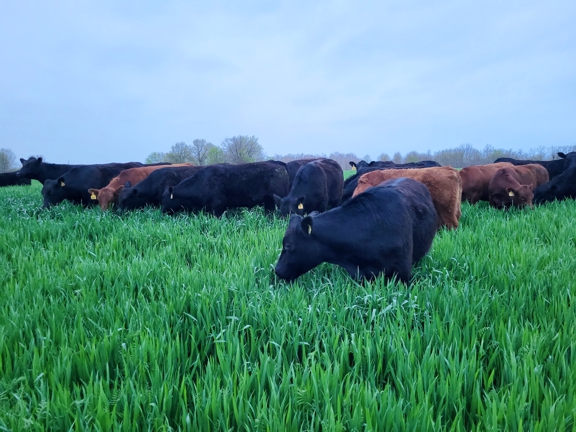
x=513, y=186
x=443, y=183
x=110, y=193
x=476, y=179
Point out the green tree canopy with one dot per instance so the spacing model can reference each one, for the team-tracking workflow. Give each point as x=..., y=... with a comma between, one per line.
x=242, y=149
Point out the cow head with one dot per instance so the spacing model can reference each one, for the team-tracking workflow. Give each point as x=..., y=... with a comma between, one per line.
x=105, y=196
x=30, y=166
x=301, y=250
x=519, y=196
x=175, y=200
x=53, y=192
x=569, y=159
x=559, y=188
x=129, y=198
x=290, y=205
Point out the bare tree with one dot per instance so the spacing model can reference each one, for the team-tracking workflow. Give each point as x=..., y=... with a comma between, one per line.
x=344, y=159
x=7, y=160
x=384, y=157
x=199, y=150
x=242, y=149
x=397, y=158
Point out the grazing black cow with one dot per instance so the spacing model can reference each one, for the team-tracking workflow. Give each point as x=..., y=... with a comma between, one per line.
x=35, y=169
x=293, y=166
x=12, y=179
x=317, y=187
x=74, y=184
x=149, y=191
x=385, y=230
x=219, y=187
x=559, y=188
x=351, y=183
x=554, y=167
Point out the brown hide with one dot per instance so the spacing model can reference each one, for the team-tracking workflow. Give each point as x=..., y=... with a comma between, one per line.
x=514, y=186
x=110, y=193
x=443, y=183
x=476, y=179
x=534, y=174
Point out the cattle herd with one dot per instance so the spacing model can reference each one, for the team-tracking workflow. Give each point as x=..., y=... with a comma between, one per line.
x=380, y=221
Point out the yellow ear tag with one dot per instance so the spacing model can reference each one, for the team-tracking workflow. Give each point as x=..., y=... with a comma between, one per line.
x=510, y=193
x=309, y=229
x=62, y=184
x=300, y=206
x=171, y=196
x=353, y=168
x=93, y=196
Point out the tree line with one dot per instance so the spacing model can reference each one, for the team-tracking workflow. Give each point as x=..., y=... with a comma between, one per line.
x=235, y=150
x=244, y=149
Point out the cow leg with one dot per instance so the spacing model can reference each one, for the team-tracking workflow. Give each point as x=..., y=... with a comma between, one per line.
x=269, y=204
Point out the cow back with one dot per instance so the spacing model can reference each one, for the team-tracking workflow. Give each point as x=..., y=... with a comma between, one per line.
x=443, y=183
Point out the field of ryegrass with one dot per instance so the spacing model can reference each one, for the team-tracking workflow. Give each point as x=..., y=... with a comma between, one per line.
x=152, y=322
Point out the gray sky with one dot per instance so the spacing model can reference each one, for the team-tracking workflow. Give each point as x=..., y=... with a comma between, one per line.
x=102, y=81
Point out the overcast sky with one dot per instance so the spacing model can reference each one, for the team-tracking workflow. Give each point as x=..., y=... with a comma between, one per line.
x=102, y=81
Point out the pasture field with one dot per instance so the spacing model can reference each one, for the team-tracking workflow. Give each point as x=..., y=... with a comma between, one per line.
x=151, y=322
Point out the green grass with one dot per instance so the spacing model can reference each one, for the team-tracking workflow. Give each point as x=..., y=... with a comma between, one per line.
x=152, y=322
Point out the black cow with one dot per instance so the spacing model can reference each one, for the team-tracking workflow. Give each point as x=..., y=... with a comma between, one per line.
x=559, y=188
x=12, y=179
x=569, y=159
x=293, y=166
x=389, y=164
x=386, y=230
x=363, y=164
x=351, y=182
x=317, y=187
x=150, y=190
x=219, y=187
x=35, y=169
x=74, y=184
x=554, y=167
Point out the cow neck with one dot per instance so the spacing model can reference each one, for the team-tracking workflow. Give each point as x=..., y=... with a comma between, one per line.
x=333, y=241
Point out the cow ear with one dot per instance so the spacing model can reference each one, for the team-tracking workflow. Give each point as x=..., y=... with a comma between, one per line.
x=371, y=163
x=22, y=160
x=306, y=225
x=562, y=155
x=352, y=164
x=61, y=181
x=277, y=201
x=128, y=184
x=39, y=159
x=118, y=190
x=93, y=193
